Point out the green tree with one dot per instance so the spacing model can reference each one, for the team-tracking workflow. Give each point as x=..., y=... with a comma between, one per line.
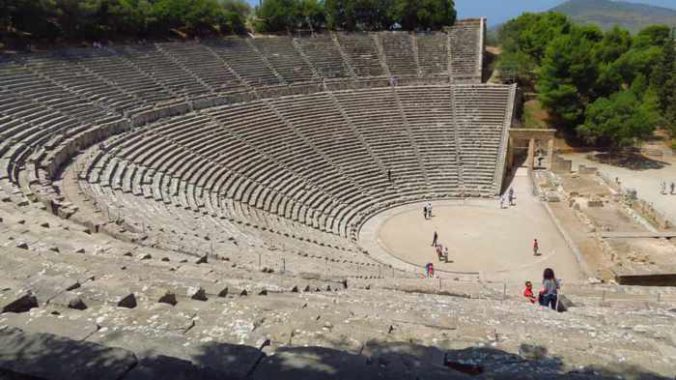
x=663, y=80
x=278, y=16
x=567, y=77
x=312, y=14
x=359, y=14
x=524, y=41
x=621, y=120
x=424, y=14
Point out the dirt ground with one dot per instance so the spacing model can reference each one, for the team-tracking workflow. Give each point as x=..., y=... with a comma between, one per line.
x=482, y=238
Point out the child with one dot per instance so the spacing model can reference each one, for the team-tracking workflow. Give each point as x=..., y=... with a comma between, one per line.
x=528, y=292
x=536, y=247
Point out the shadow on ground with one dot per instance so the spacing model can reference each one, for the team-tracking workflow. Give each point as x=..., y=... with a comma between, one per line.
x=45, y=356
x=629, y=160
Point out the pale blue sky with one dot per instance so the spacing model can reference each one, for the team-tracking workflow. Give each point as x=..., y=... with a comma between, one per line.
x=499, y=11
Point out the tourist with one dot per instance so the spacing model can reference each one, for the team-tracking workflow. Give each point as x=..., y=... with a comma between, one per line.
x=663, y=187
x=446, y=254
x=536, y=247
x=440, y=250
x=429, y=209
x=425, y=212
x=429, y=270
x=528, y=292
x=672, y=188
x=511, y=196
x=435, y=238
x=550, y=289
x=502, y=202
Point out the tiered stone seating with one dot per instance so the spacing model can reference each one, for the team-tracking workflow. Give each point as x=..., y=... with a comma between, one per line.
x=324, y=55
x=194, y=223
x=34, y=112
x=244, y=60
x=481, y=113
x=205, y=64
x=433, y=54
x=318, y=161
x=362, y=54
x=430, y=114
x=129, y=306
x=64, y=69
x=399, y=53
x=467, y=50
x=286, y=60
x=148, y=59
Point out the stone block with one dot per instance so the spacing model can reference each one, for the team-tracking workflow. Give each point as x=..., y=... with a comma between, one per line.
x=21, y=304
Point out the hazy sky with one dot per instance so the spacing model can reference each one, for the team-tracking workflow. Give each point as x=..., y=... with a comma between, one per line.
x=499, y=11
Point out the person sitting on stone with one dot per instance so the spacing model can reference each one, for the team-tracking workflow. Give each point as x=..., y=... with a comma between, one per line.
x=528, y=292
x=550, y=289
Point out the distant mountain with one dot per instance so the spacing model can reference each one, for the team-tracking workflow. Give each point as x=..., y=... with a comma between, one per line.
x=606, y=14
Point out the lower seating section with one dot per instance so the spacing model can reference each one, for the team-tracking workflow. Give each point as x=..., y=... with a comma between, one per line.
x=430, y=114
x=480, y=115
x=306, y=165
x=75, y=305
x=35, y=113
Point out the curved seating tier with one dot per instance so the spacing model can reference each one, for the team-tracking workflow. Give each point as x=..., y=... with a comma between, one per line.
x=279, y=141
x=314, y=165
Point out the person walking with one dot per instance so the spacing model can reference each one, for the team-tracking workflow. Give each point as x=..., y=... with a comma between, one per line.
x=425, y=212
x=510, y=193
x=663, y=188
x=429, y=210
x=672, y=188
x=389, y=175
x=536, y=247
x=435, y=238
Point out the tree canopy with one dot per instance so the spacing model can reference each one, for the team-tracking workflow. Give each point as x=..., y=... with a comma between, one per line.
x=608, y=88
x=115, y=19
x=119, y=19
x=355, y=15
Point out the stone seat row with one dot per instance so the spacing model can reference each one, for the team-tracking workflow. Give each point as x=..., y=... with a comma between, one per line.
x=205, y=153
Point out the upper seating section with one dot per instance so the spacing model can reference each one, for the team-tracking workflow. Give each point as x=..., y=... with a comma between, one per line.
x=141, y=76
x=467, y=48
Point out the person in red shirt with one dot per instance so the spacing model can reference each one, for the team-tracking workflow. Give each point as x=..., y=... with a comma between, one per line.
x=528, y=292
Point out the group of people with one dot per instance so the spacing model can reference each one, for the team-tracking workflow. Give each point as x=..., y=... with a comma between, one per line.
x=508, y=197
x=672, y=188
x=548, y=296
x=427, y=211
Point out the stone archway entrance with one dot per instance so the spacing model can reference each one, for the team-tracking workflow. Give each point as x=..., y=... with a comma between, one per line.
x=532, y=148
